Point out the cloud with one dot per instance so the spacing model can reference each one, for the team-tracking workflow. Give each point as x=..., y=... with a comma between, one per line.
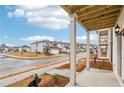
x=5, y=36
x=52, y=17
x=16, y=13
x=93, y=38
x=10, y=45
x=37, y=38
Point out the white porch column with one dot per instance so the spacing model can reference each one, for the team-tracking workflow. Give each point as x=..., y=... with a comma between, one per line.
x=73, y=50
x=99, y=51
x=88, y=51
x=122, y=59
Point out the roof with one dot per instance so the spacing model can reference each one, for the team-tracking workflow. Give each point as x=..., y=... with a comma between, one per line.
x=25, y=46
x=48, y=41
x=41, y=41
x=94, y=17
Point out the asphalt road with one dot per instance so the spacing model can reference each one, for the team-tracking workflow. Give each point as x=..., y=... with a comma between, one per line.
x=10, y=65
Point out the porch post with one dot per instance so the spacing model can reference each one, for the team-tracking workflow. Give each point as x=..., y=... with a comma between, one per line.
x=99, y=51
x=73, y=50
x=88, y=51
x=122, y=55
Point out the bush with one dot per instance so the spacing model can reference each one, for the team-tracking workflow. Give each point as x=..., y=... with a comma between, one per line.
x=45, y=73
x=56, y=78
x=38, y=52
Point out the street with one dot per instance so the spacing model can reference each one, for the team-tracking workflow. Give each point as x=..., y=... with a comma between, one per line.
x=10, y=65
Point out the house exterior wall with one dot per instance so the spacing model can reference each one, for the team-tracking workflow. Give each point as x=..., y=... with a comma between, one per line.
x=118, y=59
x=54, y=51
x=40, y=47
x=33, y=47
x=123, y=59
x=60, y=45
x=114, y=52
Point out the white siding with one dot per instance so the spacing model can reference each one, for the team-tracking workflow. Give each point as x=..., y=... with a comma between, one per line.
x=33, y=47
x=114, y=52
x=116, y=56
x=54, y=51
x=40, y=47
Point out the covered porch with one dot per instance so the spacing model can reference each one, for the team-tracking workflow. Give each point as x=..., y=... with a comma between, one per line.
x=96, y=78
x=91, y=18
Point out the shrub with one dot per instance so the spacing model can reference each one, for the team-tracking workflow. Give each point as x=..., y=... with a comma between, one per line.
x=38, y=52
x=45, y=73
x=56, y=78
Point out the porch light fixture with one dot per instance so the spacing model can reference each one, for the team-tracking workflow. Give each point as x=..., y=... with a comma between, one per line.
x=118, y=32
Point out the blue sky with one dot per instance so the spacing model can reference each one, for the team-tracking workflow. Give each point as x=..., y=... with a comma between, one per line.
x=21, y=25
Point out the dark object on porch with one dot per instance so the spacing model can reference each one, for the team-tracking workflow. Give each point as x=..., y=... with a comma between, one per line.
x=35, y=82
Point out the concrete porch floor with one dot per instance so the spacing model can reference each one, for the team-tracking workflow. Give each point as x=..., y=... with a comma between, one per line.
x=96, y=78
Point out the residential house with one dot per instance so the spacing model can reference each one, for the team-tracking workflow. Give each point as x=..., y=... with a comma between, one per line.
x=24, y=48
x=40, y=46
x=81, y=47
x=3, y=48
x=53, y=50
x=45, y=45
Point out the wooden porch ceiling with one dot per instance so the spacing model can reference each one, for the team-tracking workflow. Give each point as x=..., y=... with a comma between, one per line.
x=94, y=17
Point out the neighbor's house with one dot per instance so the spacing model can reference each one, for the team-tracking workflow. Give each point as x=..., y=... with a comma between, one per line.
x=40, y=46
x=3, y=48
x=63, y=46
x=53, y=50
x=81, y=47
x=66, y=47
x=10, y=49
x=93, y=48
x=47, y=46
x=24, y=48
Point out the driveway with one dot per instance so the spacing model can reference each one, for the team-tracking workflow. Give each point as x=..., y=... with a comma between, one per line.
x=10, y=65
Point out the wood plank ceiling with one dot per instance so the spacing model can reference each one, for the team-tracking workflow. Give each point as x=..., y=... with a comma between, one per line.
x=94, y=17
